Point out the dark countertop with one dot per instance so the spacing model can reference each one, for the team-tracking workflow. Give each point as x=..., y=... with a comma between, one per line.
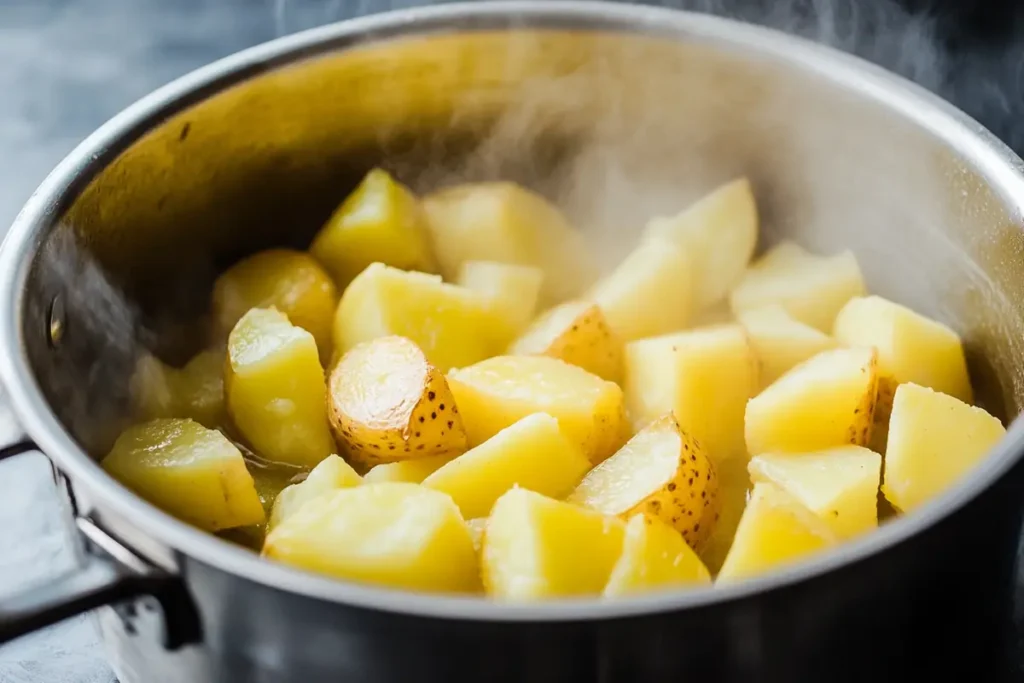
x=67, y=65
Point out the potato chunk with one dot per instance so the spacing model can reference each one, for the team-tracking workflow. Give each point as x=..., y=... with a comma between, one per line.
x=191, y=472
x=822, y=403
x=500, y=391
x=648, y=293
x=780, y=341
x=718, y=234
x=775, y=530
x=290, y=281
x=839, y=485
x=661, y=472
x=578, y=333
x=703, y=376
x=513, y=291
x=275, y=389
x=532, y=453
x=408, y=471
x=381, y=221
x=195, y=391
x=934, y=440
x=654, y=557
x=331, y=474
x=812, y=289
x=536, y=548
x=388, y=403
x=503, y=222
x=453, y=325
x=397, y=535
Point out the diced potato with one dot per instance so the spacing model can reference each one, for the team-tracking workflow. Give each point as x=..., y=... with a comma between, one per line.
x=290, y=281
x=648, y=293
x=661, y=472
x=537, y=548
x=839, y=485
x=453, y=325
x=775, y=530
x=500, y=391
x=275, y=389
x=503, y=222
x=381, y=221
x=477, y=529
x=576, y=332
x=408, y=471
x=934, y=440
x=191, y=472
x=195, y=391
x=704, y=376
x=733, y=486
x=397, y=535
x=388, y=403
x=718, y=234
x=780, y=341
x=532, y=453
x=825, y=402
x=331, y=474
x=654, y=556
x=513, y=291
x=812, y=289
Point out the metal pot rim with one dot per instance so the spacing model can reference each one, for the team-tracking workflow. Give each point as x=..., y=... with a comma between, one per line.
x=1002, y=168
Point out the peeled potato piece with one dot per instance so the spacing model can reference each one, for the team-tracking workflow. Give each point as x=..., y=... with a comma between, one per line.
x=781, y=342
x=331, y=474
x=397, y=535
x=290, y=281
x=934, y=440
x=194, y=391
x=381, y=221
x=839, y=485
x=408, y=471
x=718, y=234
x=191, y=472
x=537, y=548
x=512, y=291
x=775, y=530
x=500, y=391
x=532, y=453
x=654, y=556
x=388, y=403
x=275, y=389
x=662, y=472
x=825, y=402
x=577, y=333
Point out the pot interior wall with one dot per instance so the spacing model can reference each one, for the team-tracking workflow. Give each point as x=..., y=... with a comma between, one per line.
x=616, y=127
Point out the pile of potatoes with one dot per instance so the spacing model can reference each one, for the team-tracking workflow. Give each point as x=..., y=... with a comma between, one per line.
x=442, y=394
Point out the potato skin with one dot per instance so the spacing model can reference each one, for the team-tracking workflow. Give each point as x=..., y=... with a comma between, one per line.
x=577, y=333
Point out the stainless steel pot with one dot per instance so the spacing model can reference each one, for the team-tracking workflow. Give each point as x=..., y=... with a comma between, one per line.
x=618, y=112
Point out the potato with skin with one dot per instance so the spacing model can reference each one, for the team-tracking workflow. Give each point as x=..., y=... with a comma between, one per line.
x=331, y=474
x=194, y=391
x=781, y=342
x=654, y=557
x=388, y=403
x=661, y=472
x=496, y=393
x=576, y=332
x=825, y=402
x=408, y=471
x=275, y=389
x=512, y=291
x=187, y=470
x=290, y=281
x=381, y=221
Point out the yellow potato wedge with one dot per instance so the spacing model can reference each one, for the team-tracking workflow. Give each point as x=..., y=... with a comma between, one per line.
x=189, y=471
x=453, y=325
x=839, y=485
x=513, y=291
x=780, y=341
x=194, y=391
x=275, y=389
x=654, y=557
x=733, y=487
x=397, y=535
x=532, y=453
x=718, y=234
x=408, y=471
x=495, y=393
x=381, y=221
x=775, y=530
x=649, y=293
x=331, y=474
x=825, y=402
x=661, y=472
x=576, y=332
x=934, y=440
x=504, y=222
x=537, y=548
x=290, y=281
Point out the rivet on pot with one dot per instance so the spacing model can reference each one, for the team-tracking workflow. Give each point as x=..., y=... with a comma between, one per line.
x=56, y=317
